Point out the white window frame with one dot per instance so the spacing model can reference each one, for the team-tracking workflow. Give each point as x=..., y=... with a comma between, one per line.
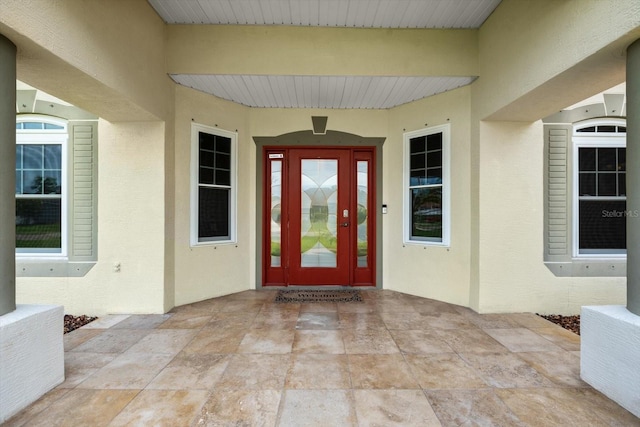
x=195, y=164
x=446, y=185
x=53, y=137
x=593, y=140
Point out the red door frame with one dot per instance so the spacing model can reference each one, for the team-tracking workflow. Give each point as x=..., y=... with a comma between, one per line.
x=287, y=274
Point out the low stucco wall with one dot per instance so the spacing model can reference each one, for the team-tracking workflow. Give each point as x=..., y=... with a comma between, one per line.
x=610, y=354
x=32, y=356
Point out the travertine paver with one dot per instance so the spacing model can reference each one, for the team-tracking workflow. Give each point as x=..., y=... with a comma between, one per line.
x=393, y=359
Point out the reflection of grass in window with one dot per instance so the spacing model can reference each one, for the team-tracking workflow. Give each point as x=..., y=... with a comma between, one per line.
x=427, y=229
x=329, y=241
x=275, y=249
x=307, y=242
x=362, y=248
x=38, y=229
x=325, y=238
x=319, y=217
x=38, y=236
x=40, y=243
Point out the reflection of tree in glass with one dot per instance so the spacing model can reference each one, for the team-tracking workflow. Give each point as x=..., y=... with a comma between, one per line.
x=276, y=215
x=319, y=231
x=45, y=186
x=427, y=213
x=362, y=214
x=319, y=217
x=34, y=211
x=427, y=199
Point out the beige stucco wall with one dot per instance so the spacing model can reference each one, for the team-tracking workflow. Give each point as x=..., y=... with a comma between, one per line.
x=512, y=275
x=429, y=271
x=220, y=269
x=278, y=121
x=574, y=50
x=213, y=49
x=131, y=225
x=538, y=56
x=208, y=271
x=131, y=203
x=104, y=57
x=213, y=270
x=169, y=215
x=111, y=58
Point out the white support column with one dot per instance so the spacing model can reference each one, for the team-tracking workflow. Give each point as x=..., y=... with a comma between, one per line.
x=7, y=176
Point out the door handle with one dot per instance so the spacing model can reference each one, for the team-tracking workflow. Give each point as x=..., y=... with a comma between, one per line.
x=344, y=224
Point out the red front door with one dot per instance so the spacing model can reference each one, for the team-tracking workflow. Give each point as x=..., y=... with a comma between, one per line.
x=319, y=217
x=319, y=221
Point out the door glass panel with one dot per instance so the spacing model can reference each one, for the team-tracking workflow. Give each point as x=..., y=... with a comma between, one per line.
x=319, y=219
x=362, y=213
x=276, y=200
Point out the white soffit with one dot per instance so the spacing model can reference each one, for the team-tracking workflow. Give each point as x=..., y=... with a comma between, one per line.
x=342, y=92
x=329, y=13
x=40, y=95
x=620, y=89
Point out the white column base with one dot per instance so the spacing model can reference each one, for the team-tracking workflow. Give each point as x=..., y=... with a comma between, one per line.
x=610, y=353
x=31, y=355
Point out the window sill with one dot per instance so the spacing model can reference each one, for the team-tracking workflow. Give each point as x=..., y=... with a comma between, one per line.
x=426, y=244
x=52, y=268
x=213, y=244
x=600, y=267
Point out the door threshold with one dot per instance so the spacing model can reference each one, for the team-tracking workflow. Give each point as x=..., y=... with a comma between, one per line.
x=317, y=287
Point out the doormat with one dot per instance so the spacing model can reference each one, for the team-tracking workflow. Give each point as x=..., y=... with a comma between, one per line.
x=318, y=296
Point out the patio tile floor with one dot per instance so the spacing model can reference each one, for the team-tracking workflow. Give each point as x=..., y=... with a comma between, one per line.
x=392, y=360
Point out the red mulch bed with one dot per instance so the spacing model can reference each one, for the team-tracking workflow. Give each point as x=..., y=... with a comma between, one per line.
x=72, y=323
x=571, y=323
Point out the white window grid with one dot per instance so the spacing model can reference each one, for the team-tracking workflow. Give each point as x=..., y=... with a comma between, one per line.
x=196, y=129
x=59, y=136
x=445, y=130
x=593, y=140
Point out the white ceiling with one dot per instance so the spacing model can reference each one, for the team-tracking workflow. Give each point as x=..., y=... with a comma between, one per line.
x=329, y=13
x=287, y=91
x=320, y=91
